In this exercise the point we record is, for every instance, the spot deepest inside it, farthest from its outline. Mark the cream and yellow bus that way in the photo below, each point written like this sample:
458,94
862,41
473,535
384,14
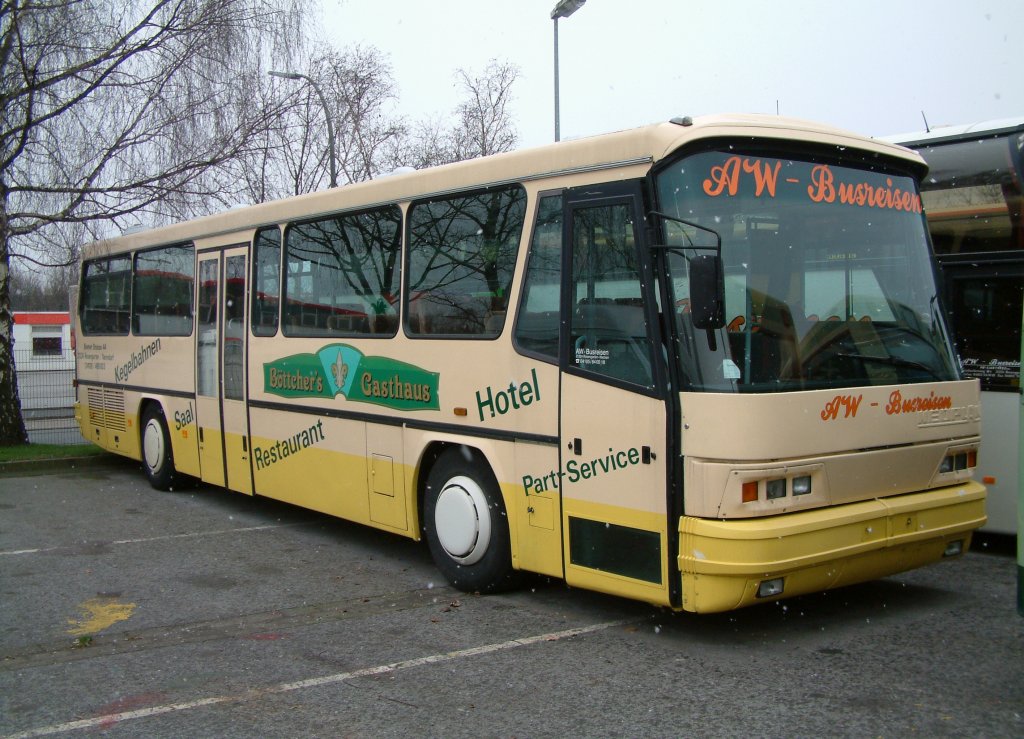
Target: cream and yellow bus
701,364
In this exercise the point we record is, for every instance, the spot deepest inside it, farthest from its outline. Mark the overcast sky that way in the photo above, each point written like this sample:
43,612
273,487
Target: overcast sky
868,65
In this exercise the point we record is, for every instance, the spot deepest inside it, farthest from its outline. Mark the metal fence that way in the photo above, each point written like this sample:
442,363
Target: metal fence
47,396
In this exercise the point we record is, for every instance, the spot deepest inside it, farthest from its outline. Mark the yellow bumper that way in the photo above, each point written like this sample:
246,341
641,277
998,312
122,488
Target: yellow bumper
723,562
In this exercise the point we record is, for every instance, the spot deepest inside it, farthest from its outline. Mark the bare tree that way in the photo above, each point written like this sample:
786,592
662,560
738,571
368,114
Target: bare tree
485,120
40,290
291,157
121,112
429,142
365,89
484,123
360,93
28,290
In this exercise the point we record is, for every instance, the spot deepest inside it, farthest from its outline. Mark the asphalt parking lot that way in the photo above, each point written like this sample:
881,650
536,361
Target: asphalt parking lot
199,612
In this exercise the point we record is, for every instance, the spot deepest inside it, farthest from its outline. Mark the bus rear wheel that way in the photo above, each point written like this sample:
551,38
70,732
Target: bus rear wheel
466,525
157,458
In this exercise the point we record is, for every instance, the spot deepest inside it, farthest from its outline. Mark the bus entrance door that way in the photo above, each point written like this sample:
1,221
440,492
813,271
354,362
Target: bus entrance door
613,417
220,368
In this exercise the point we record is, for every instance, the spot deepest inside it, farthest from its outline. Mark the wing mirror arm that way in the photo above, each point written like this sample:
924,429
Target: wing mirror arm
707,276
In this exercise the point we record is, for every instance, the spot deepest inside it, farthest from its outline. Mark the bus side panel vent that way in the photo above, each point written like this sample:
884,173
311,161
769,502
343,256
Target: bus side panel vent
106,408
95,400
113,404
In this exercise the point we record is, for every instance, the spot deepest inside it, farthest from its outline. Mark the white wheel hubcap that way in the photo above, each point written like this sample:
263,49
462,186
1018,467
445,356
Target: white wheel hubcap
462,520
153,445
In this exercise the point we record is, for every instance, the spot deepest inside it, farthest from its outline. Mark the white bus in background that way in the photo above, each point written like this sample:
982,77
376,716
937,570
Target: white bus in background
973,199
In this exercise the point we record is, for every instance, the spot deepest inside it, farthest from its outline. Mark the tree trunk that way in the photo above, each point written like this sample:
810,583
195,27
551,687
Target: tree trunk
12,425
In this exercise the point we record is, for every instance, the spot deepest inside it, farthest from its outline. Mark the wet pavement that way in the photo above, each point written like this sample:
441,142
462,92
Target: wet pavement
129,612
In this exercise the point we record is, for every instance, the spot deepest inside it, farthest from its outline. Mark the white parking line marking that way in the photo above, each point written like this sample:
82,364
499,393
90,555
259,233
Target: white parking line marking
166,537
111,719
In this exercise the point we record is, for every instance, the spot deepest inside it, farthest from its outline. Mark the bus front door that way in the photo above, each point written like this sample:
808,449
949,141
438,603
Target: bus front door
613,427
220,370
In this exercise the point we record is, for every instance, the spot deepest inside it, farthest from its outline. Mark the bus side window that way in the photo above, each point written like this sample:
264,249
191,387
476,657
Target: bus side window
162,289
343,274
536,329
266,281
608,330
462,255
106,296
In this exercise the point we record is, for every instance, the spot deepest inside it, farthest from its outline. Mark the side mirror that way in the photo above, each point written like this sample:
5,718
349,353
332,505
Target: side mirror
707,291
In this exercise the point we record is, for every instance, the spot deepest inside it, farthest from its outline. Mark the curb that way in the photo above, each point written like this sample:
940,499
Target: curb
59,464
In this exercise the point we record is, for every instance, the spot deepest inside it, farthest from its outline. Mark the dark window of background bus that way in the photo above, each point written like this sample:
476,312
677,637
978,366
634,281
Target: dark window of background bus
462,256
266,292
986,305
107,296
974,204
163,283
972,196
536,332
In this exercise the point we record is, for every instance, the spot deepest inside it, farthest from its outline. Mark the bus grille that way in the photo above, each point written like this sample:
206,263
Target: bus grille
106,408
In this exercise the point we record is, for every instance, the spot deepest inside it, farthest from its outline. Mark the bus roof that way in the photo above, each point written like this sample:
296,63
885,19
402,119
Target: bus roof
633,147
947,134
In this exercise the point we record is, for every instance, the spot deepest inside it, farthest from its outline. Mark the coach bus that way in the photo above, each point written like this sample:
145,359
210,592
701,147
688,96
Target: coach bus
701,364
972,197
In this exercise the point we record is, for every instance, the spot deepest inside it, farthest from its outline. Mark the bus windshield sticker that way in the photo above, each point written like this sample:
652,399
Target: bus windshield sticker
821,184
340,369
1006,371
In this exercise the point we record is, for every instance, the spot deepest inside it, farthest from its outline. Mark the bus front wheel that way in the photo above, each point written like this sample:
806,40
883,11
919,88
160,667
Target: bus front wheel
466,525
157,458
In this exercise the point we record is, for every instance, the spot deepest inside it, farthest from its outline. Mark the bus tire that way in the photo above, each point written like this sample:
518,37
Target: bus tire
157,457
466,525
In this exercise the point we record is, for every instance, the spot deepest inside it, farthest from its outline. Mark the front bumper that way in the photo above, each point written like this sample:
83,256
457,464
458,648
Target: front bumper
723,561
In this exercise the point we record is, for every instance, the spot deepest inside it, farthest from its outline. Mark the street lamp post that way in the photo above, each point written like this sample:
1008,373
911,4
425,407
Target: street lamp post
563,9
327,115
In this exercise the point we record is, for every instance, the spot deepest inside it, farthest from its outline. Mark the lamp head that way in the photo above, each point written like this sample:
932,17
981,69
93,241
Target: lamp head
565,8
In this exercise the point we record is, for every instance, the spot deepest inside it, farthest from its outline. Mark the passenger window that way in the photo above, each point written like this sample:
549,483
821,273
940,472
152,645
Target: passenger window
162,292
267,280
342,275
608,327
462,255
234,322
537,322
206,352
106,296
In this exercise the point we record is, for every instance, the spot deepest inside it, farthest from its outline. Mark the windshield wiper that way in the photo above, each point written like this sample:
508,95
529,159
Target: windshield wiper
894,361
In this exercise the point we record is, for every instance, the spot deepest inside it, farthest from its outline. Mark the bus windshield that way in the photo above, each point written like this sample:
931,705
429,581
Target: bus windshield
827,276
